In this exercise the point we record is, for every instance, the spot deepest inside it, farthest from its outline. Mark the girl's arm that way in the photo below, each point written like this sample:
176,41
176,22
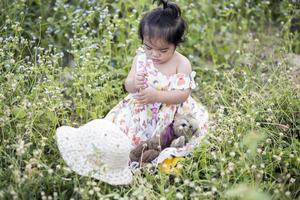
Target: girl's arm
151,95
176,96
173,97
130,80
135,80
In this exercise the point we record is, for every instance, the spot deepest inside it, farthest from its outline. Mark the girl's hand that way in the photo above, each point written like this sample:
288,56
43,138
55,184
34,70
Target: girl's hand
140,80
147,96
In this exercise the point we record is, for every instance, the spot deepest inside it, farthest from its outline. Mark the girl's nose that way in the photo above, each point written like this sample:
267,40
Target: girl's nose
155,53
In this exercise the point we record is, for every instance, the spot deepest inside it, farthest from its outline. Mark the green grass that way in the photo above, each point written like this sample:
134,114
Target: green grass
245,57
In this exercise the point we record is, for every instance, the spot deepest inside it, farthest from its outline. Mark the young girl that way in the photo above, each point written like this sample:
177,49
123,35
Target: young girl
159,85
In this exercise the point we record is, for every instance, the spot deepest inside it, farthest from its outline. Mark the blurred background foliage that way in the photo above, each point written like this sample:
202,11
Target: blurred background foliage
65,61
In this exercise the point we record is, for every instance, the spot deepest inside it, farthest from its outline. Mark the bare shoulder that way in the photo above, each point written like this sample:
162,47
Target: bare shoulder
184,65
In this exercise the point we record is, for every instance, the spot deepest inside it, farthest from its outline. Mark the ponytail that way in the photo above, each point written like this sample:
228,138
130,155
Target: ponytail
169,8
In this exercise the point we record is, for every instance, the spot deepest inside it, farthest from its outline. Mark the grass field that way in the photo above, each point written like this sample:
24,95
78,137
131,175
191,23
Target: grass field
64,63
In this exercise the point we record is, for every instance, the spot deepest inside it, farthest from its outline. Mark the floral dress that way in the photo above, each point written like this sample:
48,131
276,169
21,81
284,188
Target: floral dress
140,123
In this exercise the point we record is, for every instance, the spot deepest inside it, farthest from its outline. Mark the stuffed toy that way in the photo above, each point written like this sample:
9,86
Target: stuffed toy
177,134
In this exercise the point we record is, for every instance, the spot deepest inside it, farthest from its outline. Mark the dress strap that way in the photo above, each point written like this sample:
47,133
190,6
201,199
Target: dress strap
181,81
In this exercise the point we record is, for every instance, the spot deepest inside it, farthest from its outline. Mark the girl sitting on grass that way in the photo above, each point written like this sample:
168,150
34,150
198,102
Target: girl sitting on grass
159,85
162,86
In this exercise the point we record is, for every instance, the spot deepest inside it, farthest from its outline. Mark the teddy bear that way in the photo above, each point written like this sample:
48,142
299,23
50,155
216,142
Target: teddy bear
177,134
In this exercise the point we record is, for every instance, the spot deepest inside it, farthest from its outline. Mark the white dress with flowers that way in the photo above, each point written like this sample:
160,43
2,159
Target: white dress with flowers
141,123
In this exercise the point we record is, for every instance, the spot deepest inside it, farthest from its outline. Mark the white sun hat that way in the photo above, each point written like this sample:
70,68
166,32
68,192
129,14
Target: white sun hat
98,149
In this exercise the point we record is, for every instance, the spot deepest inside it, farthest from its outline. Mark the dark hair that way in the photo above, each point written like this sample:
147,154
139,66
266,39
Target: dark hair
165,23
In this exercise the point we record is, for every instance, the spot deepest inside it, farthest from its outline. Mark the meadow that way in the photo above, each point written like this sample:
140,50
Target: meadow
64,62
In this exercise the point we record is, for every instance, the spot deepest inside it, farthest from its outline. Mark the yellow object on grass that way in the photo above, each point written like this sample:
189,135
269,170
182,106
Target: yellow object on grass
171,165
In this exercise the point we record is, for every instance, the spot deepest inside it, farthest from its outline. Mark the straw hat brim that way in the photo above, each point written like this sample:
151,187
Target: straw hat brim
77,150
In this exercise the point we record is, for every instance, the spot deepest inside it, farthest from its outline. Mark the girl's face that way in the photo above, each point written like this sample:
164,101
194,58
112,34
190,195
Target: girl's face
158,50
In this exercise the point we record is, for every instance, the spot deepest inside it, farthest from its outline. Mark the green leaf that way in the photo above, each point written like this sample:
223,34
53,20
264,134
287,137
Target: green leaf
51,116
252,139
19,113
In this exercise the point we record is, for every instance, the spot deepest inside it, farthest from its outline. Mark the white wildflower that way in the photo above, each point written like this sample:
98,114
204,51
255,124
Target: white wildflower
292,180
179,195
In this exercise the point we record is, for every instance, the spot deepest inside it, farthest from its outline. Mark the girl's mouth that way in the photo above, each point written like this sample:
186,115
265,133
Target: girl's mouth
155,60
